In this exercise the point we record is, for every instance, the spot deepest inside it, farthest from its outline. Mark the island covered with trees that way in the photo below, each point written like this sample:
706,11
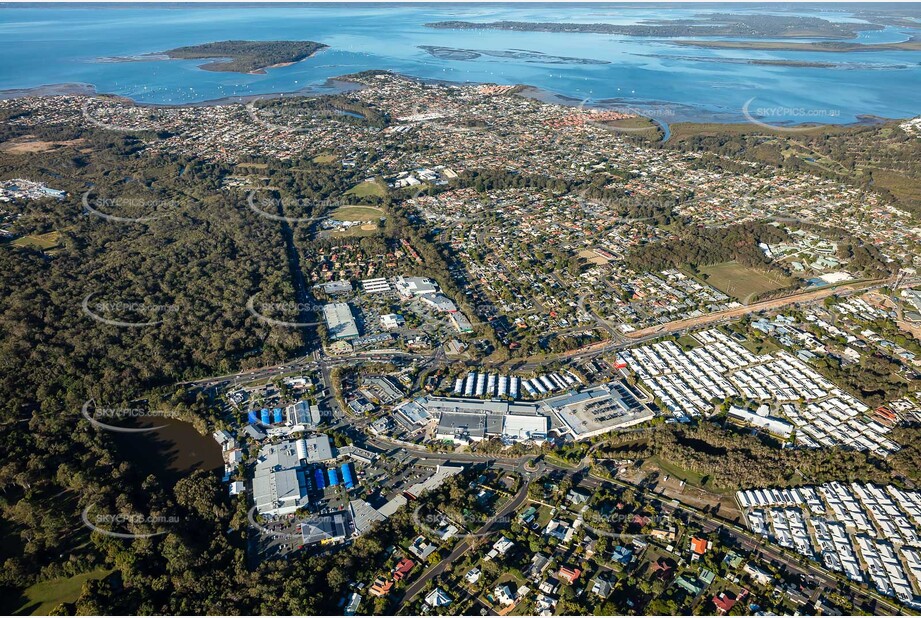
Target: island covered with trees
247,56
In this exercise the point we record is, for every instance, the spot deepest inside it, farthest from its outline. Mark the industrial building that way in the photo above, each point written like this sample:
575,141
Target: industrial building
301,416
598,409
408,287
466,420
340,323
281,479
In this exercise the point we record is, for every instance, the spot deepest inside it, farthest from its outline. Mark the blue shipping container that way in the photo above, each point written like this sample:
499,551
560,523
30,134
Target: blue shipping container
320,478
347,477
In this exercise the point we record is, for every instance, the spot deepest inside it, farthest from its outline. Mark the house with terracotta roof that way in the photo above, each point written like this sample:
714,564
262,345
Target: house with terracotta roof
381,587
403,568
662,568
698,546
724,603
570,575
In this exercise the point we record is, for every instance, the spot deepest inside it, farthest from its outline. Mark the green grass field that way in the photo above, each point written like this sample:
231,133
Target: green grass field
760,347
543,515
325,158
355,232
688,476
49,240
368,189
43,597
741,281
638,126
357,213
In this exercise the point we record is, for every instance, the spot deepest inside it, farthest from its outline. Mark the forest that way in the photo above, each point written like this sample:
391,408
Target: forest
730,459
194,268
696,246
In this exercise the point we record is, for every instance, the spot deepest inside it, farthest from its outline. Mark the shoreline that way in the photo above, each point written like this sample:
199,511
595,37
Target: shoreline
333,85
684,113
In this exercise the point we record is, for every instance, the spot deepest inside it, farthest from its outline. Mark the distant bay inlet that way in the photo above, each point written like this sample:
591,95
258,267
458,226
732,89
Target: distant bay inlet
698,83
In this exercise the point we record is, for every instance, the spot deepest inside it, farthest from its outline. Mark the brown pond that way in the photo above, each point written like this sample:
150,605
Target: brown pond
170,451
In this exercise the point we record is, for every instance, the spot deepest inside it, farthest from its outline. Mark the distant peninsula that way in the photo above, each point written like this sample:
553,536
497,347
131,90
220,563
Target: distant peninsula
454,53
911,44
247,56
711,24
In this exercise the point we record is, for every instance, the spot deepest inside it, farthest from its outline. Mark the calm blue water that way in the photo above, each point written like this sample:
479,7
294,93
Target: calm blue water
63,44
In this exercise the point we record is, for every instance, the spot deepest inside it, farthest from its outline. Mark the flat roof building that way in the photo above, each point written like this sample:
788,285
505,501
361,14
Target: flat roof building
315,449
598,410
392,320
465,420
364,515
336,287
461,323
277,487
439,302
340,323
375,286
415,286
330,528
520,427
280,478
774,425
302,415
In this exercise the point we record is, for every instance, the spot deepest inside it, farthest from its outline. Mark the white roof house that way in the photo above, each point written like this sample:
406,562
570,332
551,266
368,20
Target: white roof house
504,595
438,598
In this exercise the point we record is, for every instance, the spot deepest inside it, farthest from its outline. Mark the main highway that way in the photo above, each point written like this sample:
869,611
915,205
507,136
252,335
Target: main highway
435,359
